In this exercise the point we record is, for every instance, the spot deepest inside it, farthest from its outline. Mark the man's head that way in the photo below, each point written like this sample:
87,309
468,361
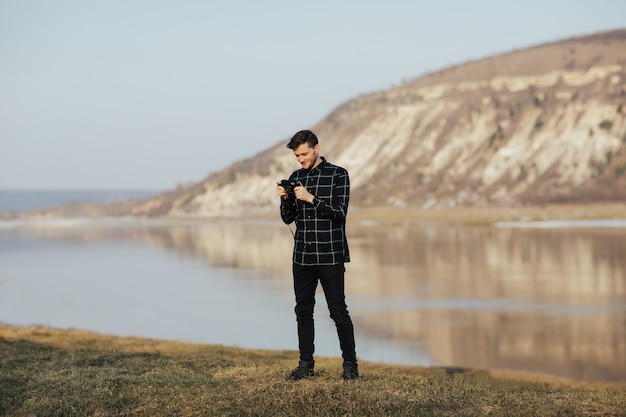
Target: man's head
303,136
306,148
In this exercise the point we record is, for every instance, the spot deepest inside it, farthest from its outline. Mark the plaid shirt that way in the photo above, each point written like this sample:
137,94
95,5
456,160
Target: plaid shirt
320,237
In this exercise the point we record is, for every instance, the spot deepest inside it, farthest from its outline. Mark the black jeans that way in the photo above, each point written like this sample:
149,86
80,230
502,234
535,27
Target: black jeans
331,277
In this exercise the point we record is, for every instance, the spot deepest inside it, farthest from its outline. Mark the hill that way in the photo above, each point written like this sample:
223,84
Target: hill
541,125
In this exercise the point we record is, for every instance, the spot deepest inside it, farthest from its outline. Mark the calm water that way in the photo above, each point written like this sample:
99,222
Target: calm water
544,300
27,200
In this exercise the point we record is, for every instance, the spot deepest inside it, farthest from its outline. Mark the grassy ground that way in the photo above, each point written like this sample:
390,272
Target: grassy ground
488,215
470,215
46,372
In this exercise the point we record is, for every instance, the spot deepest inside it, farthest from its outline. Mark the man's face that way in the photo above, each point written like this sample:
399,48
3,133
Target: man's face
307,156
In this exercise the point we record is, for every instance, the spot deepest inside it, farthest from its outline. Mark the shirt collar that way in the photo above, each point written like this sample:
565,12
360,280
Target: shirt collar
320,165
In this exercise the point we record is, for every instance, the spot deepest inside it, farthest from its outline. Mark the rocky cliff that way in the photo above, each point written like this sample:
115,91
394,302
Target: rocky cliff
540,125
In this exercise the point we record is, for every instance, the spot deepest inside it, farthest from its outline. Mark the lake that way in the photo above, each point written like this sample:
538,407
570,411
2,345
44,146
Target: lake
548,300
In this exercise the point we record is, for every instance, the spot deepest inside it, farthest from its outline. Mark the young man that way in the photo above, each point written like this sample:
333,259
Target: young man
317,200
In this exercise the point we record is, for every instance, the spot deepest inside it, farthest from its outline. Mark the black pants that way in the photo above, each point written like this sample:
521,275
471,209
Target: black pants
331,277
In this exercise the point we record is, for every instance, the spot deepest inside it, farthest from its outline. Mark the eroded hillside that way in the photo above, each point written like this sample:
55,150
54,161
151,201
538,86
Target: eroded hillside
540,125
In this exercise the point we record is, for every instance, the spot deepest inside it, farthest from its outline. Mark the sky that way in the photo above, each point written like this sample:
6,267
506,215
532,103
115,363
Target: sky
152,94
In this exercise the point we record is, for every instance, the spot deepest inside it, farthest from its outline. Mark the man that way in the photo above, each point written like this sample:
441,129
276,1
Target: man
317,200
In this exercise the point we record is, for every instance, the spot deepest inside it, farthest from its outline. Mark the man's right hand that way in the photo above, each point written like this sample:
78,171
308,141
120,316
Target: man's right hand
280,191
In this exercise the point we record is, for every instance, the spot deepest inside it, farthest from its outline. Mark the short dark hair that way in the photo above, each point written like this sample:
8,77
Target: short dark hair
303,136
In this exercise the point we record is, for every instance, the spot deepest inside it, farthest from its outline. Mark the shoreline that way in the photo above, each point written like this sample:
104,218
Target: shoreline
388,215
79,338
489,215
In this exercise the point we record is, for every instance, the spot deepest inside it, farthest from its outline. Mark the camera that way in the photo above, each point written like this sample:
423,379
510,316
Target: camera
289,185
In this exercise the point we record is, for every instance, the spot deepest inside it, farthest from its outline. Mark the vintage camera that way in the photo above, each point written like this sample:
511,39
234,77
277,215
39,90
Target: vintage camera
289,185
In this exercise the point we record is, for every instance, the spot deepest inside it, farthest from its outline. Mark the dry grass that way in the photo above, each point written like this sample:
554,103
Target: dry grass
487,215
469,216
46,372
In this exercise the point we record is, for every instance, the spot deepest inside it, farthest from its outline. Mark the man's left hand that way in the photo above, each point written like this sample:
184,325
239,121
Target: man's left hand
303,194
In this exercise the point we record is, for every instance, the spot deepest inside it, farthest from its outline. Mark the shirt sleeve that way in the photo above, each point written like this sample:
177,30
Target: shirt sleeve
338,210
288,209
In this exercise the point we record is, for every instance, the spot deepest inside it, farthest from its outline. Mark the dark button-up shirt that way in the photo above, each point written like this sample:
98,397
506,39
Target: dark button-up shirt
320,237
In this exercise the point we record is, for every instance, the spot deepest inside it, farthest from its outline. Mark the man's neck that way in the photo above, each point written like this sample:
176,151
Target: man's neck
318,161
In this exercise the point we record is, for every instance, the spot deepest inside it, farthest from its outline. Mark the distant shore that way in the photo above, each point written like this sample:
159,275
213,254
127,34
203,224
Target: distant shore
383,215
484,215
458,215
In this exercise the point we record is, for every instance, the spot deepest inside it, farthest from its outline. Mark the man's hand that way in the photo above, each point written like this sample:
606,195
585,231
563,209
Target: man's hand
303,194
280,190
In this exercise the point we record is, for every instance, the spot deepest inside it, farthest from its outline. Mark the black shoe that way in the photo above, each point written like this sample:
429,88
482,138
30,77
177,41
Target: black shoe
304,370
350,370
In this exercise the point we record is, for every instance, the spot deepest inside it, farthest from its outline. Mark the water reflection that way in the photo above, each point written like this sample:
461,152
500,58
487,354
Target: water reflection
531,300
537,300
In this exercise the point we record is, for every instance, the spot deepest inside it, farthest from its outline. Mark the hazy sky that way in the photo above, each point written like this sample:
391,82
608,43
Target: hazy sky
148,94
